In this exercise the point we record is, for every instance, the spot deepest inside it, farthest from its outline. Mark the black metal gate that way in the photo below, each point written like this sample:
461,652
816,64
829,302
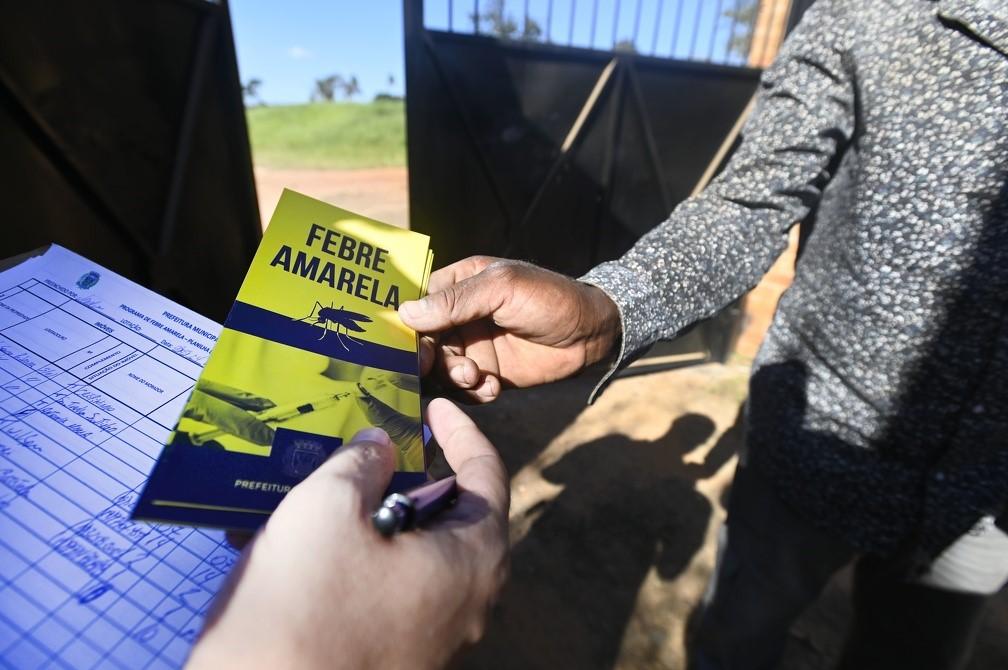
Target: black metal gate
562,155
122,137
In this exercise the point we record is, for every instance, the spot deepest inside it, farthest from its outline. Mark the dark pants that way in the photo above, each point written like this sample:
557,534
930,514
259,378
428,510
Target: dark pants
771,565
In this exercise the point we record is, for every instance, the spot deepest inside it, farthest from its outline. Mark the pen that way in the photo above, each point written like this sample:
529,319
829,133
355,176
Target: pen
403,511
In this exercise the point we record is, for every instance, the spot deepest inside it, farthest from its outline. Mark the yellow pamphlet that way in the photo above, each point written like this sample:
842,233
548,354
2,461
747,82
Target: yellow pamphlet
312,351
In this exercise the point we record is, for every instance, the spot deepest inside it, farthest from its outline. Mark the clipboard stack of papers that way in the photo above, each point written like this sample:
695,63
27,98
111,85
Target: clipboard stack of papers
94,371
312,351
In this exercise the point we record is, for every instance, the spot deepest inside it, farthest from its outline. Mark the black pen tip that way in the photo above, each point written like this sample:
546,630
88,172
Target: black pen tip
385,521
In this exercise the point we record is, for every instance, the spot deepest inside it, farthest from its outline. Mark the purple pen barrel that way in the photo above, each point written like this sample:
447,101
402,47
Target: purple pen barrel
429,499
402,511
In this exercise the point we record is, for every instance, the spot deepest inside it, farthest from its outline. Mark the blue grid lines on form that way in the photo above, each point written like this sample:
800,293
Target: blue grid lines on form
104,590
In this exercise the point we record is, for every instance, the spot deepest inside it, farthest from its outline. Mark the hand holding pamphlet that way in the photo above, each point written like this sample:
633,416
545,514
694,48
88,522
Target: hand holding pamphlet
312,351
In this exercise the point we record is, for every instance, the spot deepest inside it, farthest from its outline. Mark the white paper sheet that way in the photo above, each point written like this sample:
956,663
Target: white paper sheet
94,371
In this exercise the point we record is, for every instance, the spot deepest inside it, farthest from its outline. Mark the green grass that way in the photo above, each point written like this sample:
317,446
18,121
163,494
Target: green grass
329,135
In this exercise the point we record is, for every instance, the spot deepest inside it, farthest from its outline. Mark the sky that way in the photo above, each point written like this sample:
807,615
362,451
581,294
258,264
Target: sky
290,44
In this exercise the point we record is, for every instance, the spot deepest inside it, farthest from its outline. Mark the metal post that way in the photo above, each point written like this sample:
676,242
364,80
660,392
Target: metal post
615,24
636,25
696,28
657,23
734,27
676,28
591,40
413,52
570,32
549,21
714,31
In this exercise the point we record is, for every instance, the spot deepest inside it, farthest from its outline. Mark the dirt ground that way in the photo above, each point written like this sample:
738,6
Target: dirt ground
378,192
615,506
613,520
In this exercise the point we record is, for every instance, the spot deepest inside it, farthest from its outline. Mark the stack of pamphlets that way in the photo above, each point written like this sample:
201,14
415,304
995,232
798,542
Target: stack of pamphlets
312,351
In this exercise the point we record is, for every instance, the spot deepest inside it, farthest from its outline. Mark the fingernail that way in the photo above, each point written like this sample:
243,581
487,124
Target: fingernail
376,435
414,308
459,376
488,389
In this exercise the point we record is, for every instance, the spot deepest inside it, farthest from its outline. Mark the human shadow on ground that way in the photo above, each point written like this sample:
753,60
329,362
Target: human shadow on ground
627,506
522,423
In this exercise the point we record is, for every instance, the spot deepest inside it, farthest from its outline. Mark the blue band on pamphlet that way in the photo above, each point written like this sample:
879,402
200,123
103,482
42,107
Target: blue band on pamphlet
275,327
239,483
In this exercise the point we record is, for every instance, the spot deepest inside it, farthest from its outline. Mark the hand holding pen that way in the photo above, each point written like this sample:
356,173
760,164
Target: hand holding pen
320,548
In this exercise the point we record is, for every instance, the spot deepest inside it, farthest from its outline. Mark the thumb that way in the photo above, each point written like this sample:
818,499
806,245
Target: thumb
366,463
469,300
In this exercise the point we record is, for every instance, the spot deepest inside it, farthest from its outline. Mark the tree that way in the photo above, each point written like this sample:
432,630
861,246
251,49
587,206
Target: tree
495,20
743,17
531,32
325,88
388,95
625,45
494,16
250,91
351,87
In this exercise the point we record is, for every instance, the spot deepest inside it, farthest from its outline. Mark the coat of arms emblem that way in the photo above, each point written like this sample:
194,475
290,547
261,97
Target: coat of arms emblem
88,279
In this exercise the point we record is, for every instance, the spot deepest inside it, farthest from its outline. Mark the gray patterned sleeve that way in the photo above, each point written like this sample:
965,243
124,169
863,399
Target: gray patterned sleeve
717,245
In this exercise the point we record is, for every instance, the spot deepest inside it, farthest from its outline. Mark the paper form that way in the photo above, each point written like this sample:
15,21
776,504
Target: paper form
94,370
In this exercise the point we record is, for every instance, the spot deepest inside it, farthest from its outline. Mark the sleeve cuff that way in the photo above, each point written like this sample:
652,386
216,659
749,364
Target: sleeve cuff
630,293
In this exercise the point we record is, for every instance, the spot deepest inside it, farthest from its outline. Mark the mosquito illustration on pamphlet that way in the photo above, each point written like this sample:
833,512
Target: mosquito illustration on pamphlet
335,318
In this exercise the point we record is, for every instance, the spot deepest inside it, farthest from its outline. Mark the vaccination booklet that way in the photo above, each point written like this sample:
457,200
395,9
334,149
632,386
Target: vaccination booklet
312,351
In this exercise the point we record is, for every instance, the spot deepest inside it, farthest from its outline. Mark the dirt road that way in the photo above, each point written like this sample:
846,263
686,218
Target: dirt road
379,193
